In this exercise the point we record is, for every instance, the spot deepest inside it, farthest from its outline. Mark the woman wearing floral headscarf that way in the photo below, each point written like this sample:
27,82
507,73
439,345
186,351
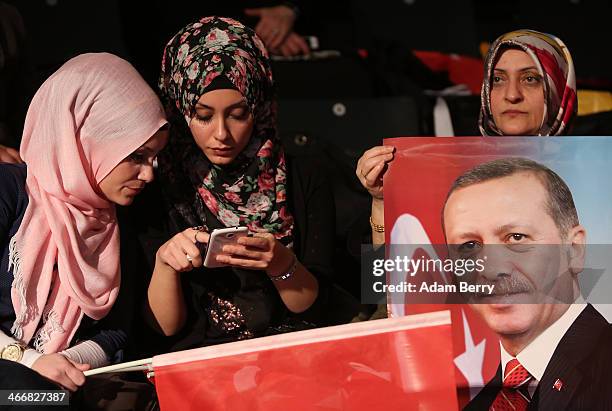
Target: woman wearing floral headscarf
529,86
529,89
225,167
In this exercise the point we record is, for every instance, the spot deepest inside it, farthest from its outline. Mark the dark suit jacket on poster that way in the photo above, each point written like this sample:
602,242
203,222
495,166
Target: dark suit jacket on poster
582,361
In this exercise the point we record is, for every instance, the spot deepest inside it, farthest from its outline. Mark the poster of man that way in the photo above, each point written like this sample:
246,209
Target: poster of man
541,199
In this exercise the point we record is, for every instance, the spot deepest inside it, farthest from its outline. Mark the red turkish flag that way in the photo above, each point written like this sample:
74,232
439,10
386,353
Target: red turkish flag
416,186
392,364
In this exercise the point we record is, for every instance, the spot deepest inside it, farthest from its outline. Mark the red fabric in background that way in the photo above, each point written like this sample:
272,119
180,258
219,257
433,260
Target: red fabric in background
461,69
400,370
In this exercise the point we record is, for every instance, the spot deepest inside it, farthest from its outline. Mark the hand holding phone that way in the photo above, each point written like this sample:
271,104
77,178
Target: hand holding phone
219,238
183,251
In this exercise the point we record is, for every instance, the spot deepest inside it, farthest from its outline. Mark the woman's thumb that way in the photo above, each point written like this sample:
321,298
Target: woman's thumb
82,367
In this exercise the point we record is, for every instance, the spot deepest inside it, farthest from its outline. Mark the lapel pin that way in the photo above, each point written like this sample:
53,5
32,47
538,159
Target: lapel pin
558,385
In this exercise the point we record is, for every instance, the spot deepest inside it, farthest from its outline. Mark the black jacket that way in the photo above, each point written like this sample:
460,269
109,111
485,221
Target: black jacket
582,361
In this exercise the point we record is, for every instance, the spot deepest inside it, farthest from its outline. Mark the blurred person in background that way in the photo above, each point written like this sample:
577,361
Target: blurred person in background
274,21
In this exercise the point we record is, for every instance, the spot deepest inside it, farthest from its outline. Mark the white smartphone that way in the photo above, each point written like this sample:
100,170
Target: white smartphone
218,238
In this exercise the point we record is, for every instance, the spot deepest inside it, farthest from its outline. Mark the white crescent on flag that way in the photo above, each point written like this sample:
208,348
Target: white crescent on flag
408,230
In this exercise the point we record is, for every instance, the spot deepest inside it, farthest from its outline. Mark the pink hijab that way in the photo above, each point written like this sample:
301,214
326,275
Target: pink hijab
83,121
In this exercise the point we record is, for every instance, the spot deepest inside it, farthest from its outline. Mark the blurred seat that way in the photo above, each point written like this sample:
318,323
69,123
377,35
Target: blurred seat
61,29
464,111
16,84
351,125
337,132
598,124
593,101
431,25
339,77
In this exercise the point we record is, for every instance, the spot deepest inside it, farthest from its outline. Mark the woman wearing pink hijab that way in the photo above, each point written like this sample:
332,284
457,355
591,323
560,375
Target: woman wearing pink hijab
91,135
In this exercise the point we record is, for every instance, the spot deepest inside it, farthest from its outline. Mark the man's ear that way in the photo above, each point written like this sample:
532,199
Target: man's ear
576,239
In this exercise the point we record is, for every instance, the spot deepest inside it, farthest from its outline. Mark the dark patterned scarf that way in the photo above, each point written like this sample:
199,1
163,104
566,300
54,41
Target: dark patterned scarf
251,191
554,63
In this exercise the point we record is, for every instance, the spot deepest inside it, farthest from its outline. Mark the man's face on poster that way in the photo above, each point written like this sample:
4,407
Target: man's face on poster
530,262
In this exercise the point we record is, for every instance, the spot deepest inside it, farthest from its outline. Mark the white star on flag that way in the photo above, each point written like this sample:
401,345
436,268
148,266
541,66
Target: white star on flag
470,362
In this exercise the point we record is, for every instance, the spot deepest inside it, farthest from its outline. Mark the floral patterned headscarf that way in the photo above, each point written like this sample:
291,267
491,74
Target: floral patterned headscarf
554,63
252,190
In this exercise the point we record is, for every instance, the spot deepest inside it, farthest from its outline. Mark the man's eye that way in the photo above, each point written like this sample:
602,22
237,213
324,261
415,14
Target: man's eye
516,237
519,243
468,247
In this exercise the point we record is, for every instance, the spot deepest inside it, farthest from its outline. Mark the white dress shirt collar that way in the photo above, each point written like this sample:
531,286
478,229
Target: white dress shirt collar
536,356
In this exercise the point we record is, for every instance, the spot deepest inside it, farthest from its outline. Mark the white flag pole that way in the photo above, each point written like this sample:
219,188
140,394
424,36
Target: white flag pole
139,365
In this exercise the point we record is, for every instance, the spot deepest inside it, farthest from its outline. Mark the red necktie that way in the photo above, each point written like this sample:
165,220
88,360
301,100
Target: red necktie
514,395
